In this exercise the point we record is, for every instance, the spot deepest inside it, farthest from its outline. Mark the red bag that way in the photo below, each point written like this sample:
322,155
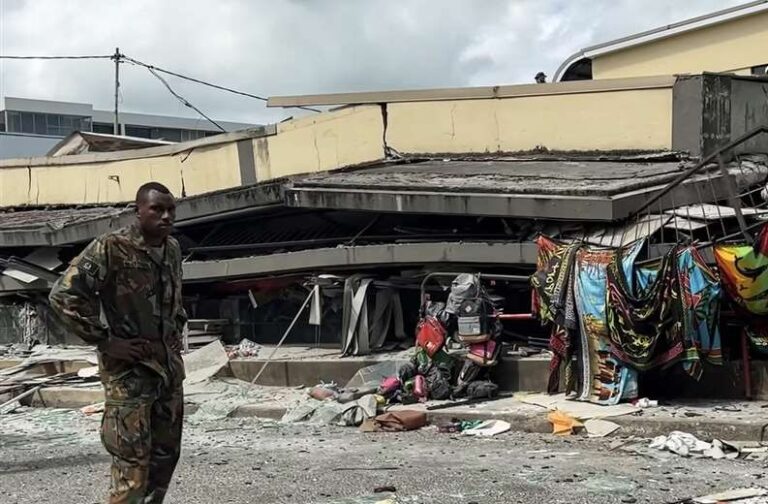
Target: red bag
430,335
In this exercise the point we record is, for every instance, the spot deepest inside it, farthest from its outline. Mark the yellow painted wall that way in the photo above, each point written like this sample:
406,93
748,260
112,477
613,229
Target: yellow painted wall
585,120
14,186
325,141
210,169
203,170
630,119
345,137
730,46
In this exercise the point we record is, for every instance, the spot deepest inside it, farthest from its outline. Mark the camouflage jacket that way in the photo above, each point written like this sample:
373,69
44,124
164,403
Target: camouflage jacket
119,287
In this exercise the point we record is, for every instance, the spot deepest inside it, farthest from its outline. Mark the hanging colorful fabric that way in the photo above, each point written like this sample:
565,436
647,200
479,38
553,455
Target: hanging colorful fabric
553,300
605,379
551,281
744,273
700,296
646,326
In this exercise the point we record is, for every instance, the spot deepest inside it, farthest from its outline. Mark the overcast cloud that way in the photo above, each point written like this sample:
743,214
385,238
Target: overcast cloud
283,47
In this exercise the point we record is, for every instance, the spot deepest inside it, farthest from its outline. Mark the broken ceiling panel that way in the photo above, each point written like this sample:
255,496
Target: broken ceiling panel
685,224
33,266
616,236
710,212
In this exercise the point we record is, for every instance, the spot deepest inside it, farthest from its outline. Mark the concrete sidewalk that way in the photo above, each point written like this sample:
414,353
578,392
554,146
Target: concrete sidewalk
728,420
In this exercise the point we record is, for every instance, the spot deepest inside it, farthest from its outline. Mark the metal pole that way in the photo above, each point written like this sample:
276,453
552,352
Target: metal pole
4,407
116,58
285,335
733,198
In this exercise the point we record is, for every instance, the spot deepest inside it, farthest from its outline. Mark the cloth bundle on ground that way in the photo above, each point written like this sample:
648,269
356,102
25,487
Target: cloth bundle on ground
619,318
396,421
482,428
685,444
326,404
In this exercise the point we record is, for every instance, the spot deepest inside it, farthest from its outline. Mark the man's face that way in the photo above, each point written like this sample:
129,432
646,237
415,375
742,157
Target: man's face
156,213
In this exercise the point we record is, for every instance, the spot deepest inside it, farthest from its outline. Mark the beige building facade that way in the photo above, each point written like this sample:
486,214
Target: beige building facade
729,41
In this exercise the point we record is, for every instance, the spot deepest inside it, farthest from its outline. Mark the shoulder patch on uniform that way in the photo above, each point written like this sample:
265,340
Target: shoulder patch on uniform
88,266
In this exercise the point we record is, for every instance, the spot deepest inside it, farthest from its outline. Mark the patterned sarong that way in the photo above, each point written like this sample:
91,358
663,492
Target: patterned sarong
645,325
744,275
553,300
552,289
695,305
605,379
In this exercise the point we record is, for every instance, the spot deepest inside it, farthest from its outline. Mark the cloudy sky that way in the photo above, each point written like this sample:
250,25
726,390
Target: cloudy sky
282,47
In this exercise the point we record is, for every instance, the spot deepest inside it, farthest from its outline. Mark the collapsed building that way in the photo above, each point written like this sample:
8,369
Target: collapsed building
376,205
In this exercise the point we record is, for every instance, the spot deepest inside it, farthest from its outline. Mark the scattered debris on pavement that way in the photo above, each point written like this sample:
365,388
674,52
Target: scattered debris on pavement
563,424
92,409
481,428
205,362
731,496
396,421
488,428
686,444
597,427
246,348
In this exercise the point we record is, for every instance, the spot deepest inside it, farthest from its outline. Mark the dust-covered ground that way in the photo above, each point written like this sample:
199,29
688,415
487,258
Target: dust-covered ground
54,456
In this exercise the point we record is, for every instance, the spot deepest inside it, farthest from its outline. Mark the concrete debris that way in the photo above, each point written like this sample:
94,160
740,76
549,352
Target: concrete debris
42,354
92,409
88,372
600,428
329,411
219,398
205,363
577,409
12,404
731,495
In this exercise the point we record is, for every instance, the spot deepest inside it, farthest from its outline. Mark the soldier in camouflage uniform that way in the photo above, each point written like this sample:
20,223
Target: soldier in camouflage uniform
123,294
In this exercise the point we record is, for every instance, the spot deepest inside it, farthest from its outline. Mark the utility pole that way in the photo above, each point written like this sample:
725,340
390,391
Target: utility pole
116,58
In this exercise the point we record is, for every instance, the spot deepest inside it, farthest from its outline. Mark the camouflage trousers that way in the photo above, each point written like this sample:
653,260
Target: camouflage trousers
141,429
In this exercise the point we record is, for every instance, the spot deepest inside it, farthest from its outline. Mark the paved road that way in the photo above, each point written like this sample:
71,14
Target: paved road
53,456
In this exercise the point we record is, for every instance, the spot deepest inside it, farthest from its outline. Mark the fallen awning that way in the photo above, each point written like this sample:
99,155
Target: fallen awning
502,253
565,190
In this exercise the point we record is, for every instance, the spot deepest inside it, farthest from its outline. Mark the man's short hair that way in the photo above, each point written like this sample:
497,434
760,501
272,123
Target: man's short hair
144,190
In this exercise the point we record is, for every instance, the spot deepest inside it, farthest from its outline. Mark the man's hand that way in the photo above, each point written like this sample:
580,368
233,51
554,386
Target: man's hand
176,344
130,350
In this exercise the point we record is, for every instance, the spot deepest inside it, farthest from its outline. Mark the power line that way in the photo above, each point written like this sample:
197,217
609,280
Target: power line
184,100
209,84
155,70
56,57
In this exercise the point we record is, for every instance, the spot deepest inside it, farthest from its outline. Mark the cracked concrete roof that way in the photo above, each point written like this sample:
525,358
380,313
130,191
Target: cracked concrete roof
55,218
559,190
575,178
